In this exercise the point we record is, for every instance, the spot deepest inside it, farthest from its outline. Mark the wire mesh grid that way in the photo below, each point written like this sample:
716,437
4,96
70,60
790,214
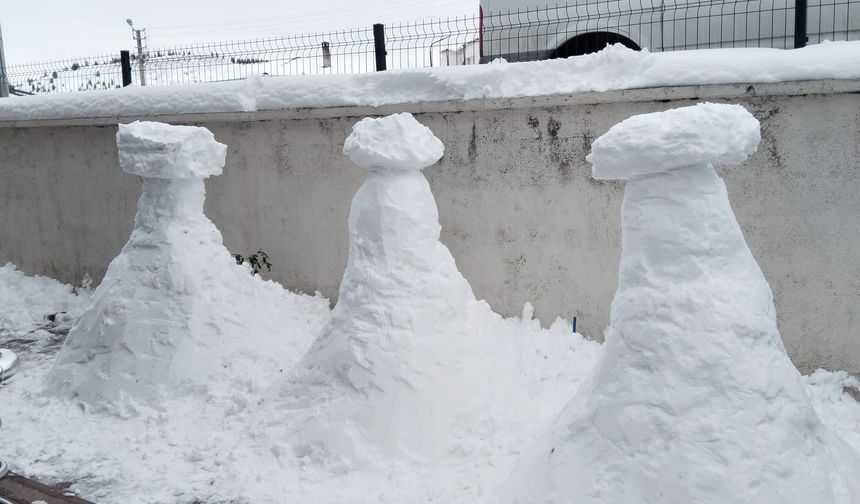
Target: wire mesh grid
832,20
433,42
526,34
344,51
73,74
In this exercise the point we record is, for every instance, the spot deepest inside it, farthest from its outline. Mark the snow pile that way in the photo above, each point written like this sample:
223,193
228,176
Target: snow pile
31,304
694,398
174,311
835,396
410,364
615,67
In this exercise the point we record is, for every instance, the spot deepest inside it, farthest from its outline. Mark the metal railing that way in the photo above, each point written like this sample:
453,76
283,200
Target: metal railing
528,34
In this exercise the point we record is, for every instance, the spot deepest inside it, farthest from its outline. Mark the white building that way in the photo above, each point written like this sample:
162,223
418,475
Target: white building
466,54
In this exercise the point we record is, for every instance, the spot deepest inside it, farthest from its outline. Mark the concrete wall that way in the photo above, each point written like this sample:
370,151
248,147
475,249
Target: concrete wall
518,208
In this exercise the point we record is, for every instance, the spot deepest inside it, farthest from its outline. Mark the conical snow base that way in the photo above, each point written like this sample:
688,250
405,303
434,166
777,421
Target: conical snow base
174,312
411,367
694,399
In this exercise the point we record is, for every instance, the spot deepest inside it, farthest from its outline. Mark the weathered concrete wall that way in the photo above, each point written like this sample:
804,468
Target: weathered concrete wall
519,210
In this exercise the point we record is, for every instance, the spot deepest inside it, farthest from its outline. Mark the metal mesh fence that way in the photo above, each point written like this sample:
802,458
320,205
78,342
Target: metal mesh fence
432,43
73,74
336,52
516,35
833,20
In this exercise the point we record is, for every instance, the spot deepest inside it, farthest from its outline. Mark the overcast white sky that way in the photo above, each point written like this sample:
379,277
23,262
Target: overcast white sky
54,29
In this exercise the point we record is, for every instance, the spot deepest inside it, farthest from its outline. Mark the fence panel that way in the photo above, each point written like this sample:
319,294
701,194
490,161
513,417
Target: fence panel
433,43
346,51
74,74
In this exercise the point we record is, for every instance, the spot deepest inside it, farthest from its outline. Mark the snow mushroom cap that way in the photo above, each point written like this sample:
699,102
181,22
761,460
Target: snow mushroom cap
396,142
706,133
158,150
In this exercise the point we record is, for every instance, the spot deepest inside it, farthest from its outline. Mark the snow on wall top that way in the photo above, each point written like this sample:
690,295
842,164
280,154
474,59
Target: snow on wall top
662,141
397,142
616,67
158,150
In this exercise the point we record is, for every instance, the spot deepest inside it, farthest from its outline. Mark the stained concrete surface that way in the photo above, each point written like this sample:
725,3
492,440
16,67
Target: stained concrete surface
518,208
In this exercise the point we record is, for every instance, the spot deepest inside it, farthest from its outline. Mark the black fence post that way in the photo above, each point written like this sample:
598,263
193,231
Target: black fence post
799,23
379,46
125,62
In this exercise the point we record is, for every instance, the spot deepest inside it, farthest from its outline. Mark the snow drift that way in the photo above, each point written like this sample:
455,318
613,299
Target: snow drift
174,310
27,301
694,398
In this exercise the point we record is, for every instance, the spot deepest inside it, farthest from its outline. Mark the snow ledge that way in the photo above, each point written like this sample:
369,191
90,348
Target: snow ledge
713,92
613,68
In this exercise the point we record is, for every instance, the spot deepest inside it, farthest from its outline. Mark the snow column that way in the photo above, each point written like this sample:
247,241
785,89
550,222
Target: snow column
389,372
172,311
694,398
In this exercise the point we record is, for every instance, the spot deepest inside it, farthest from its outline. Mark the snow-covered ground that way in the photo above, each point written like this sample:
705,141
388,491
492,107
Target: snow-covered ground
201,447
616,67
37,310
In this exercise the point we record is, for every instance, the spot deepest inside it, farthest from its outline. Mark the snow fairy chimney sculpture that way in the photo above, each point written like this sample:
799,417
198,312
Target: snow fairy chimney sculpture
388,374
171,311
694,399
